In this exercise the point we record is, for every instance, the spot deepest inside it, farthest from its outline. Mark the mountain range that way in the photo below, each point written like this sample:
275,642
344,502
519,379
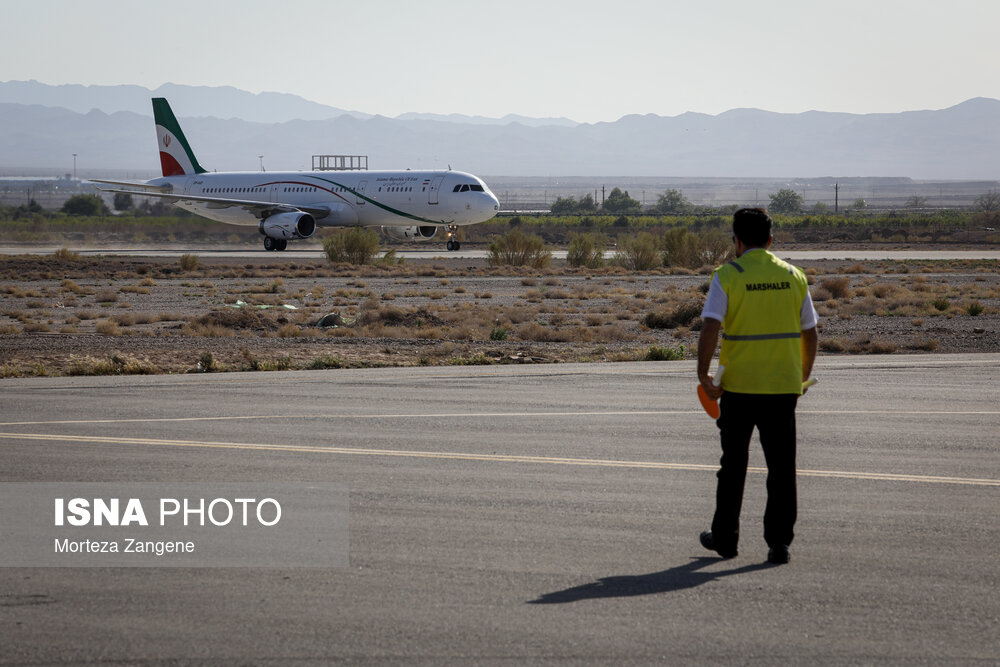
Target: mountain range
109,128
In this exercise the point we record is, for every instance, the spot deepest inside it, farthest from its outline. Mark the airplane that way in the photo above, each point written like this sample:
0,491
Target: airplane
285,206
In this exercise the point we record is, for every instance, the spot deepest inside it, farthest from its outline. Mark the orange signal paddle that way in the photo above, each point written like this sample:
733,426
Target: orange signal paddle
711,407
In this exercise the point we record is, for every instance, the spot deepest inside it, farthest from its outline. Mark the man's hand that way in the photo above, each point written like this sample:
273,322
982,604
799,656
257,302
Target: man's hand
714,393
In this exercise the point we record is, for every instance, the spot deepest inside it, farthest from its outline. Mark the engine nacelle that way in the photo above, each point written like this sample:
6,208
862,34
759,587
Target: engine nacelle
414,233
294,225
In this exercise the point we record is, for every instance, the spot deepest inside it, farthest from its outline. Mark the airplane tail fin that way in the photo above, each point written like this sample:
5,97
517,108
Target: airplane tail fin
176,156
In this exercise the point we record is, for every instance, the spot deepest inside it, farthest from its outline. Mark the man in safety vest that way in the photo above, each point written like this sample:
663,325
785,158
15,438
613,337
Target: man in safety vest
769,340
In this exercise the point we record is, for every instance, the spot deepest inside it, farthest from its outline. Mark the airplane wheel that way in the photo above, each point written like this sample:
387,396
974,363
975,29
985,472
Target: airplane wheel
281,245
269,243
457,245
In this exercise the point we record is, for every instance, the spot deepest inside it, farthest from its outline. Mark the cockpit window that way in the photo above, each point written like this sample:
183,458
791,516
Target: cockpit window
466,187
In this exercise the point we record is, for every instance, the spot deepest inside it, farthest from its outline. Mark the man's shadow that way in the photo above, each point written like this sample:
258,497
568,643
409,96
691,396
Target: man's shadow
675,579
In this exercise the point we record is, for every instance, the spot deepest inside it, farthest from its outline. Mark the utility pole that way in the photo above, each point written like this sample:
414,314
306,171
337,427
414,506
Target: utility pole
836,197
74,166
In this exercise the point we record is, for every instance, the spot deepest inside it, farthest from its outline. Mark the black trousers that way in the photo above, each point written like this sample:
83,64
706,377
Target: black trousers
774,417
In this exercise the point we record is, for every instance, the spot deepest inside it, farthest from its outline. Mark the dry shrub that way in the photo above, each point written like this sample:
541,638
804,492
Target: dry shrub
881,346
535,332
820,294
838,287
66,254
356,245
288,331
188,262
586,250
106,296
681,316
516,248
883,290
832,344
638,253
236,318
610,333
201,330
108,328
857,268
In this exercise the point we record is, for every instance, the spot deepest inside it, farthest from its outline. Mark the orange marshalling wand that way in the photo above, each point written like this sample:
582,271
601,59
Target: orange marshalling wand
711,407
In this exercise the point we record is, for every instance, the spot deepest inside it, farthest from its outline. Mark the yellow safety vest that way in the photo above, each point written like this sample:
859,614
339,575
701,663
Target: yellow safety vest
762,330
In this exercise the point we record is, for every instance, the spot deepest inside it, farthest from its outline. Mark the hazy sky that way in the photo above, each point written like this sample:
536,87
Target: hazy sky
587,60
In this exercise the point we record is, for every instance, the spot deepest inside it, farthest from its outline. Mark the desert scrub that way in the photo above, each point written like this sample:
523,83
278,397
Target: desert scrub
188,262
355,245
516,248
656,353
681,316
638,253
839,287
115,365
586,250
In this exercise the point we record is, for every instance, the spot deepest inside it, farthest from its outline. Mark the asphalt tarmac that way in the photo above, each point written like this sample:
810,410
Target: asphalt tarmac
530,514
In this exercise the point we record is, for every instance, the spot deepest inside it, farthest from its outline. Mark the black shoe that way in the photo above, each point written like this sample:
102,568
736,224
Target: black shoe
709,543
778,555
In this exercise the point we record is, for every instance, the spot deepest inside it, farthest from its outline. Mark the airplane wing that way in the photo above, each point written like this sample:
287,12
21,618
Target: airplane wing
261,209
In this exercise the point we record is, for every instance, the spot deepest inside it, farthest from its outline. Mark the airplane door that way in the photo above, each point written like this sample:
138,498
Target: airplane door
360,200
432,194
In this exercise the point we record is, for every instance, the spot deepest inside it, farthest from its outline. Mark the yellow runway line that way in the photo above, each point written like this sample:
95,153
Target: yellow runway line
493,458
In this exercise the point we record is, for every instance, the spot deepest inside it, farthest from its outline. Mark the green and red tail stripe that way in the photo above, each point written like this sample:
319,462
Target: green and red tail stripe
176,156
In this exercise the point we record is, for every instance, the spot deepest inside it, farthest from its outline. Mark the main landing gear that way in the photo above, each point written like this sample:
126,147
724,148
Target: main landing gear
453,243
276,244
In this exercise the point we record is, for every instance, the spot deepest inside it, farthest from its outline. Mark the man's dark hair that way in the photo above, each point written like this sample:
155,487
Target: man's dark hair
752,226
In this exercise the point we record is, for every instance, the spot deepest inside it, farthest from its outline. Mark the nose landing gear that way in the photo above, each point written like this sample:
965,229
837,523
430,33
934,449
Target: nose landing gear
453,243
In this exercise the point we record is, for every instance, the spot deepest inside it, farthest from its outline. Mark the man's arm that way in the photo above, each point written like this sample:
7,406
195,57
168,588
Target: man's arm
810,343
707,341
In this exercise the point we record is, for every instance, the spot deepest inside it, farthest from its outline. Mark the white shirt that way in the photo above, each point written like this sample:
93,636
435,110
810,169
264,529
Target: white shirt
717,304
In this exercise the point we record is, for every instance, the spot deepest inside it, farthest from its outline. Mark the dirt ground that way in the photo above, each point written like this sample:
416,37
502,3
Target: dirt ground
106,315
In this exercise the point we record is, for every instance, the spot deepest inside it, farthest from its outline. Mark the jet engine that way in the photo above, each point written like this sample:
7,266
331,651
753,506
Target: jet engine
416,232
294,225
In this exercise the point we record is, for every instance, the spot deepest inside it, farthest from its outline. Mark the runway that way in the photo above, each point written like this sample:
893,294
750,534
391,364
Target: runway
530,514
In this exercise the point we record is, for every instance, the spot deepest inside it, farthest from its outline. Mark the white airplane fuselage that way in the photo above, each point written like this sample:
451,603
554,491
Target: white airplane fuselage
354,198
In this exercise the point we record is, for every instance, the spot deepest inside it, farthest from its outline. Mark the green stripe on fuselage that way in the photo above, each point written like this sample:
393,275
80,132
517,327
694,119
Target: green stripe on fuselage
402,214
